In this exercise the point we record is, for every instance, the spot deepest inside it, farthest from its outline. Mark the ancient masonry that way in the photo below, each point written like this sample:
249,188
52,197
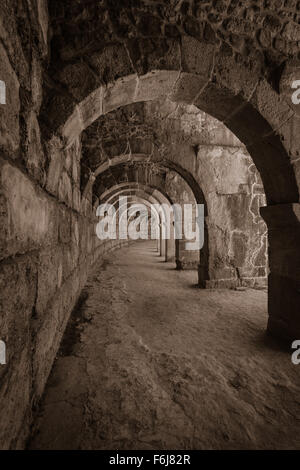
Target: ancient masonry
185,101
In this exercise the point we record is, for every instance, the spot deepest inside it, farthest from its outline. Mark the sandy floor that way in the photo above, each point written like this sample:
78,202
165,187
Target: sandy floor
151,362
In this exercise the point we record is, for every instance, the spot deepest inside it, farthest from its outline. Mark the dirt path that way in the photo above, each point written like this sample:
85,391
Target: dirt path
151,362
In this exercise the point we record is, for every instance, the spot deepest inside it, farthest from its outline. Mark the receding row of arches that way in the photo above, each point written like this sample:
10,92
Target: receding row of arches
163,103
251,126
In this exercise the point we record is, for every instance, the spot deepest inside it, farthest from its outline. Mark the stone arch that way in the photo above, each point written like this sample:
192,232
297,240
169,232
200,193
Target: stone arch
66,64
203,261
158,198
154,196
214,82
237,94
151,190
139,199
135,158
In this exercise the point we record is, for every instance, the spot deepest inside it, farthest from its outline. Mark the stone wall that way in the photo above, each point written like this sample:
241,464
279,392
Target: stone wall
47,237
237,232
233,191
49,247
47,232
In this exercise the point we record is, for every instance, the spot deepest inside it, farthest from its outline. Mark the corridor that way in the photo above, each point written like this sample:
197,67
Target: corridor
150,361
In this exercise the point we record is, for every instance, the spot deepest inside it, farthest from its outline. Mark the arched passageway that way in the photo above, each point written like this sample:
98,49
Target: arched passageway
176,101
177,187
240,114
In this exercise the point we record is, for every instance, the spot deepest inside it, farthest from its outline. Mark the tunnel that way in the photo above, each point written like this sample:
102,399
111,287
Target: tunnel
173,118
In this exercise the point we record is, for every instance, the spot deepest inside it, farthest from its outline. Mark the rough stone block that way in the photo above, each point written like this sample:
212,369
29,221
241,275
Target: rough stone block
70,258
56,163
34,155
15,395
235,76
43,18
76,199
64,224
197,57
111,63
91,107
150,54
270,105
155,84
31,213
79,79
217,102
9,112
49,277
36,83
18,284
120,93
65,190
187,87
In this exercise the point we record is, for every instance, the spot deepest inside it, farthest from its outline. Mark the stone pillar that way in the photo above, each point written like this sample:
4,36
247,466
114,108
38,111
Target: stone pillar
171,246
186,259
162,250
283,223
160,239
203,268
163,241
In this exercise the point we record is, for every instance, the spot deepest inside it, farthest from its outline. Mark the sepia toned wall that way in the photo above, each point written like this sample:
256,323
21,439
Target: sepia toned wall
223,57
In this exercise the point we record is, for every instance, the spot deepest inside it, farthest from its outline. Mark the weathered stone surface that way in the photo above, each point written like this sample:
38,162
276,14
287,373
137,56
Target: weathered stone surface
49,277
55,166
31,218
65,190
197,57
18,284
43,18
9,112
271,106
120,93
112,63
138,77
235,241
157,53
187,88
34,155
72,77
